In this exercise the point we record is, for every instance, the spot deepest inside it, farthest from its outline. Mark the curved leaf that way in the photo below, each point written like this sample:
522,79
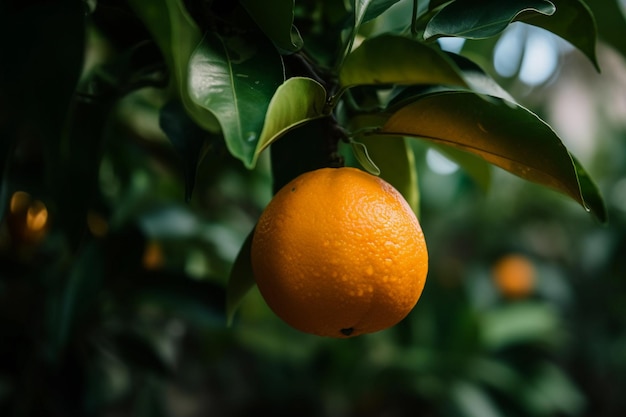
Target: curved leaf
589,189
392,155
363,157
504,134
390,59
235,78
396,161
177,36
363,10
476,19
612,17
296,101
275,18
241,279
520,323
572,21
366,10
479,80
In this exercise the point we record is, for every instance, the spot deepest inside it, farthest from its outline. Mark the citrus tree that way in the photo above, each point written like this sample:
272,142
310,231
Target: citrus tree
119,118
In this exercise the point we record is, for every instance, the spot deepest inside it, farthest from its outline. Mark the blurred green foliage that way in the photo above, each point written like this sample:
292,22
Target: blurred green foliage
117,240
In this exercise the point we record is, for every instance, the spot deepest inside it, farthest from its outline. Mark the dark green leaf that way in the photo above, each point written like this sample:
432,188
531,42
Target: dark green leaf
589,189
477,79
305,148
572,21
528,322
502,133
472,400
390,59
177,36
275,18
362,10
241,279
552,391
235,78
611,23
476,19
366,10
296,101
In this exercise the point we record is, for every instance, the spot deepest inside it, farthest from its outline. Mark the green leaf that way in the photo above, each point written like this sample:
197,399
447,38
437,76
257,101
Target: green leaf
503,133
392,155
177,36
396,161
366,10
477,79
551,391
527,322
572,21
305,148
275,18
472,400
363,10
241,279
390,59
476,19
612,23
235,78
296,101
589,189
362,156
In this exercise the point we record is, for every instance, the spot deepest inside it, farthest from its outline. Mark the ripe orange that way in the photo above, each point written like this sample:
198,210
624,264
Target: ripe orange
338,252
514,276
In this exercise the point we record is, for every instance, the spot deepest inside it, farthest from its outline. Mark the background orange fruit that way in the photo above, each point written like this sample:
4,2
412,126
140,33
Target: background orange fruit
338,252
514,276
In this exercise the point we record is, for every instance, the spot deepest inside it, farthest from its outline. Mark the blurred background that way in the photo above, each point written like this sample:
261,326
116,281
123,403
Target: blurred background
523,313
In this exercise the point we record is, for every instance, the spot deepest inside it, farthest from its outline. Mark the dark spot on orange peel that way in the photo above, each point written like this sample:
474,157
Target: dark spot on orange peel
347,332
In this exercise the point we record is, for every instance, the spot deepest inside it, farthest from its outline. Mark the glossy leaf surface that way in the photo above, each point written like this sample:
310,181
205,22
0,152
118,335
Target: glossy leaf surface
573,22
366,10
390,59
502,133
235,79
177,36
476,19
296,101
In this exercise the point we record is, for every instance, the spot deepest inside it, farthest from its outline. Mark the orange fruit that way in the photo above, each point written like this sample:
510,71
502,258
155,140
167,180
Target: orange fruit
338,252
514,276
